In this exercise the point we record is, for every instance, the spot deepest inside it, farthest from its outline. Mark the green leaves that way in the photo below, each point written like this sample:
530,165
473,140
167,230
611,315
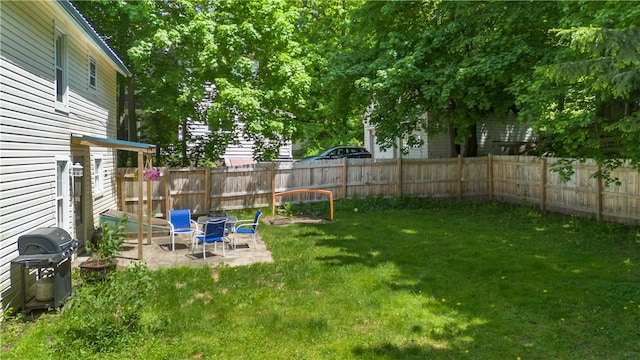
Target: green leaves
586,97
275,70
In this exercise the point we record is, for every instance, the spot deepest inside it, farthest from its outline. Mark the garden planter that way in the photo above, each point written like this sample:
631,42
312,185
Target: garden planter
94,270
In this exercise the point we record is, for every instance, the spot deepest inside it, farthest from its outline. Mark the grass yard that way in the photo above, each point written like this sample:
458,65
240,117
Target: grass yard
434,281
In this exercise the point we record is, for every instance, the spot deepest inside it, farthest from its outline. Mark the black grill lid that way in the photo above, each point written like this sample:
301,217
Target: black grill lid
49,240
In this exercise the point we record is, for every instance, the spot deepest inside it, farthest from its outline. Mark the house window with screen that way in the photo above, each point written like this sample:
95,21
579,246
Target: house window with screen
61,64
93,74
62,193
98,176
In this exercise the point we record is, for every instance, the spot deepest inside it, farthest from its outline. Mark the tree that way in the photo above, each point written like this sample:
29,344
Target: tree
235,66
321,26
120,22
586,100
456,60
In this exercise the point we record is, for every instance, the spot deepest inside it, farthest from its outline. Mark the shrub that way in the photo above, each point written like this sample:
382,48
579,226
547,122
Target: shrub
105,316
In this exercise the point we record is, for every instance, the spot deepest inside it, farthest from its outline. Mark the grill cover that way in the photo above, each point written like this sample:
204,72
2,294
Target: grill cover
49,240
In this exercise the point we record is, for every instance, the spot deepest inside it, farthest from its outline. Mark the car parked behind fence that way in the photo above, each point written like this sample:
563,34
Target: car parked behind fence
340,152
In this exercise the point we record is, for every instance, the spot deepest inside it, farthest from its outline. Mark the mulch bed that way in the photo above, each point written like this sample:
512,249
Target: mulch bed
289,220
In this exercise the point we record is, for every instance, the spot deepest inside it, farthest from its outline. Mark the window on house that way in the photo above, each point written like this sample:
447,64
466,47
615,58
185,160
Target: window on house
98,176
61,63
93,74
62,193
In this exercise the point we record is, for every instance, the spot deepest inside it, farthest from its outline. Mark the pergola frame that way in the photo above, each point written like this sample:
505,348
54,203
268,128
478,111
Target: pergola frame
142,150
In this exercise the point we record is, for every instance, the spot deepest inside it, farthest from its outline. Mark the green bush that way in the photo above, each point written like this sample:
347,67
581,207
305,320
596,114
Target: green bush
105,316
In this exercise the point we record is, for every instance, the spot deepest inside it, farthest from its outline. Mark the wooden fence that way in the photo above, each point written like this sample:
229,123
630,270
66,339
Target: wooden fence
511,179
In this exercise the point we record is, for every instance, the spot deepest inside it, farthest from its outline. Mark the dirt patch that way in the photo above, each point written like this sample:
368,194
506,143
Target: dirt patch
290,220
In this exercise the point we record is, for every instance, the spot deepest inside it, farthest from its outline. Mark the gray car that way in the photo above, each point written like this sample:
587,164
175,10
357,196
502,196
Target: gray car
340,152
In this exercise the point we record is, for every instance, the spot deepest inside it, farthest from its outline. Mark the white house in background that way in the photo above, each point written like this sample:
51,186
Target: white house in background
57,82
241,154
496,136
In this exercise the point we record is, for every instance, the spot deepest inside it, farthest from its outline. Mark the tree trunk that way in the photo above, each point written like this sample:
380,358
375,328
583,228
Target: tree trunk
184,130
133,125
122,123
453,148
470,148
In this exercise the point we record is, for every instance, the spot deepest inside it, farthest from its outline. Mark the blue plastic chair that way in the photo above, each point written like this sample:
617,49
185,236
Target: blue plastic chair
247,227
215,231
181,223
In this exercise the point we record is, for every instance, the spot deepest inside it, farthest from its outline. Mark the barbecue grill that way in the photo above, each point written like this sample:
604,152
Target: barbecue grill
48,251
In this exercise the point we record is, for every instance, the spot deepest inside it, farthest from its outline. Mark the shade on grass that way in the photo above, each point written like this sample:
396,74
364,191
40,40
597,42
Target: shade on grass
441,281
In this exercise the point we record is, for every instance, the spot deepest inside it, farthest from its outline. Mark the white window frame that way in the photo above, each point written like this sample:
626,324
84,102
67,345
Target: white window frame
62,191
98,175
92,75
61,69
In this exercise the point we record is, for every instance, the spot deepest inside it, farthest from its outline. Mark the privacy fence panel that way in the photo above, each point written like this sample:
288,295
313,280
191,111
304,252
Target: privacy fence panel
511,179
577,196
128,193
241,187
621,203
430,178
367,178
474,178
517,179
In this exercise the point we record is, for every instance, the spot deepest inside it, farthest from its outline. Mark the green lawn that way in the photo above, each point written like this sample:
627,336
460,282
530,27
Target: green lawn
437,281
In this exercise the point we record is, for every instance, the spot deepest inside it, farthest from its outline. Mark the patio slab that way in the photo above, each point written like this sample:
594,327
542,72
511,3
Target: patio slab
159,255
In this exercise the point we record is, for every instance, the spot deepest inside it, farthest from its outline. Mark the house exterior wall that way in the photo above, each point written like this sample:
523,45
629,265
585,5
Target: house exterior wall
34,135
436,146
493,134
241,153
501,130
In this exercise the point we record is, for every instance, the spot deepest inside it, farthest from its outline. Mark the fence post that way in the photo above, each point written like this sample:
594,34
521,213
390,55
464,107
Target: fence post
490,175
149,208
399,176
543,184
273,189
599,195
345,175
140,202
167,192
207,188
121,189
459,175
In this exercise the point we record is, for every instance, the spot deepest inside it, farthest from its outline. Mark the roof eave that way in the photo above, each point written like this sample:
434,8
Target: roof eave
91,32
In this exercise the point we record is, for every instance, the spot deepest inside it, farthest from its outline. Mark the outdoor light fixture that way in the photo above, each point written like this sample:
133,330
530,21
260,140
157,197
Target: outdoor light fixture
76,170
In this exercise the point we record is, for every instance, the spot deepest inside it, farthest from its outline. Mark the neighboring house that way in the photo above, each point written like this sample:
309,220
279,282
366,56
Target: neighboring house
241,154
496,136
57,114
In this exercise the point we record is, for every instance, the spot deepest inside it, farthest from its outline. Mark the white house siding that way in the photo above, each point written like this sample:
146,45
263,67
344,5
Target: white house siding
501,130
33,135
371,145
242,153
436,146
491,135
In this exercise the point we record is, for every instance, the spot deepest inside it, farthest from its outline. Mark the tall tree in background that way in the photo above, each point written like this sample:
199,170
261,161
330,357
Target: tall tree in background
321,28
455,60
120,24
306,69
234,65
585,102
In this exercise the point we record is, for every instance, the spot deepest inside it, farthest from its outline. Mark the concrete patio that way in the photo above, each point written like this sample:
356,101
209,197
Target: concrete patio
159,255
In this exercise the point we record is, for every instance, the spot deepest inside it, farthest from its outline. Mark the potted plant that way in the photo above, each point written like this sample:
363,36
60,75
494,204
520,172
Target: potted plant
106,249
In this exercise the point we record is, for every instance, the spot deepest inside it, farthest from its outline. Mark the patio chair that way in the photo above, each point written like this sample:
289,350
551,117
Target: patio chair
247,227
180,223
215,231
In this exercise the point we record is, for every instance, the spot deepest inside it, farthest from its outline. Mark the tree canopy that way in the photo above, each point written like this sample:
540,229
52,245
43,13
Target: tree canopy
279,70
455,60
585,100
